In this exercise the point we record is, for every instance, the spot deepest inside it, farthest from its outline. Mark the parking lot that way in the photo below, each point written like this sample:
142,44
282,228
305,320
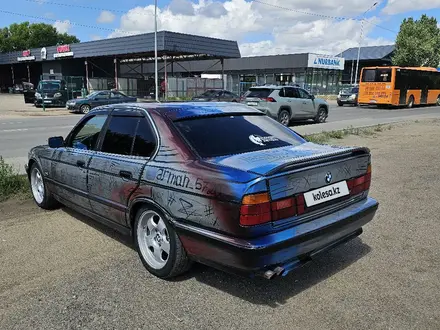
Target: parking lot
63,271
13,106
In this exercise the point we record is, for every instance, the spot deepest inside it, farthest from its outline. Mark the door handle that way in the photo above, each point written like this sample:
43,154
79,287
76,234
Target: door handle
80,163
125,174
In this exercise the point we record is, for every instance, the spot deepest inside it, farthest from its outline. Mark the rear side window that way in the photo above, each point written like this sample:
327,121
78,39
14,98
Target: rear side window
129,136
119,137
259,92
229,135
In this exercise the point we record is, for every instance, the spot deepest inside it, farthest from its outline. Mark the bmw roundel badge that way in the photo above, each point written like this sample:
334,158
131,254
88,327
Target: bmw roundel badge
328,177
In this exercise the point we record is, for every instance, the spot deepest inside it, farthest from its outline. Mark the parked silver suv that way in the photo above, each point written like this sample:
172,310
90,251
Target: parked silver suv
287,103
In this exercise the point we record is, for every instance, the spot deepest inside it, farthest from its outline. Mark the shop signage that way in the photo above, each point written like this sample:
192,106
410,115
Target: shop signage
26,56
43,53
63,51
326,62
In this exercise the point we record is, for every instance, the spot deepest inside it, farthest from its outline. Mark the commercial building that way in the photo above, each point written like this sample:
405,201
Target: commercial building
315,72
96,64
127,63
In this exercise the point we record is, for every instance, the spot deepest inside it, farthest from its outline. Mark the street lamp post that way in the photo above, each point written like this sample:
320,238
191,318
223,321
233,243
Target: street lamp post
360,41
156,78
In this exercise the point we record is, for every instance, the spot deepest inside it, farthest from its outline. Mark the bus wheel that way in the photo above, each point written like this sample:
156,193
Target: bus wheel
410,102
438,100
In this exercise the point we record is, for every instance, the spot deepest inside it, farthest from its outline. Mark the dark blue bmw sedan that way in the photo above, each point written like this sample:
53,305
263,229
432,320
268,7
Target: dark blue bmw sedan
217,183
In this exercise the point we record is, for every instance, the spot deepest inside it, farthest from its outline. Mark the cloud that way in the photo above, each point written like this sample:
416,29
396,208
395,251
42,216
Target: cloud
95,37
106,17
261,29
62,26
181,7
213,9
401,6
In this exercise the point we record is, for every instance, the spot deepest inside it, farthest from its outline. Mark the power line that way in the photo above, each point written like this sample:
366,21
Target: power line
70,22
340,18
76,6
302,12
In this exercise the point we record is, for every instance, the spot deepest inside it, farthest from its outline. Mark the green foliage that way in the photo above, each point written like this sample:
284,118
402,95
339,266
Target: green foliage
11,183
22,36
418,43
325,137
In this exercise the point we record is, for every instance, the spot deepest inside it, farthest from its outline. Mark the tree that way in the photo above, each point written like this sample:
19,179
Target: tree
24,36
418,43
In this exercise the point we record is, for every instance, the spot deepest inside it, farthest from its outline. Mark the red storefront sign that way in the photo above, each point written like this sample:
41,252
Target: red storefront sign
63,49
26,53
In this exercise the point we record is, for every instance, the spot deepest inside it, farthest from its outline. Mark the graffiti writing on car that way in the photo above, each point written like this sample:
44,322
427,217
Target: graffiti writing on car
182,180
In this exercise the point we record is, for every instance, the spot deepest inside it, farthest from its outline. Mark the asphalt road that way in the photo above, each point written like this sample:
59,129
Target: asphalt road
60,270
18,135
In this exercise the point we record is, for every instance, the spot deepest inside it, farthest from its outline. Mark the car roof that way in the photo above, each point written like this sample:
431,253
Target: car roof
185,110
274,86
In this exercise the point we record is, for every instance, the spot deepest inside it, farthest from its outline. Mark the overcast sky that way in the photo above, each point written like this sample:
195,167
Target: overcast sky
260,26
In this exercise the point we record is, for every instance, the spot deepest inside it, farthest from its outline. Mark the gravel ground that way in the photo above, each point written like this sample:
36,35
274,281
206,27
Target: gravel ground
62,271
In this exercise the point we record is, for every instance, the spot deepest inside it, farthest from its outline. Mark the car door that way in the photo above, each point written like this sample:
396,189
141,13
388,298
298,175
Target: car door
69,165
307,103
116,168
116,97
102,98
292,97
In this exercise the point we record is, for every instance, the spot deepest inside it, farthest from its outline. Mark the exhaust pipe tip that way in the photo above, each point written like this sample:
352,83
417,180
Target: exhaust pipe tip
268,274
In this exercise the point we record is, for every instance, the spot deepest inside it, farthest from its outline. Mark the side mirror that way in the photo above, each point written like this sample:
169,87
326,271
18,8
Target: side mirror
312,97
56,142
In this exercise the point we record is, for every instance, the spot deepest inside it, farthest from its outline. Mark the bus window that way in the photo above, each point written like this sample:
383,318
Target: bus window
376,75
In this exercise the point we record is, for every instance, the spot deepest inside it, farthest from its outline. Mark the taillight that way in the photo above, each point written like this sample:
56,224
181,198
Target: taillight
257,209
360,184
284,208
270,99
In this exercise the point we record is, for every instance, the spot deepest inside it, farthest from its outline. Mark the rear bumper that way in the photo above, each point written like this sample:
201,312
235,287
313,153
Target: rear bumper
281,251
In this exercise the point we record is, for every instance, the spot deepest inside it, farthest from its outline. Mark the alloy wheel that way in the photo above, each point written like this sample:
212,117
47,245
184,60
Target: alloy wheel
37,185
153,239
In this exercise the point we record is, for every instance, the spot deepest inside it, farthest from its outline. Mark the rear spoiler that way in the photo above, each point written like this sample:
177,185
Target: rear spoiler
316,159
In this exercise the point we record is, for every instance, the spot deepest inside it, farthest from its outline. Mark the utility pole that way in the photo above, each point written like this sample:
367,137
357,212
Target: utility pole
156,77
360,41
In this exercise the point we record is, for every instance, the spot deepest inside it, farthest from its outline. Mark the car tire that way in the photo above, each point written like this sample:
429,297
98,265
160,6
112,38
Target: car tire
85,109
284,117
321,116
42,196
340,104
410,102
158,245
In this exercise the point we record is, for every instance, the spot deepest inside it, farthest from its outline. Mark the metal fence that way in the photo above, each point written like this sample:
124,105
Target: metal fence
189,87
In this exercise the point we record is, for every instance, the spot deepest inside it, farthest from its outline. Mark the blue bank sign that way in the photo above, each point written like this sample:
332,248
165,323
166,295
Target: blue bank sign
326,62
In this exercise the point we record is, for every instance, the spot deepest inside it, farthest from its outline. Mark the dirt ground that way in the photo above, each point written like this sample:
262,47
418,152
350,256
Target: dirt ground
62,271
13,106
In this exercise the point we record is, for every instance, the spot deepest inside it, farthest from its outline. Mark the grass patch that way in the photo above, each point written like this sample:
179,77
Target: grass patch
12,183
324,137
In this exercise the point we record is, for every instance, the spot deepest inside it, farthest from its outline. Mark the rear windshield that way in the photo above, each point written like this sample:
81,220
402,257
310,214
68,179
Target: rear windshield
230,135
376,75
259,92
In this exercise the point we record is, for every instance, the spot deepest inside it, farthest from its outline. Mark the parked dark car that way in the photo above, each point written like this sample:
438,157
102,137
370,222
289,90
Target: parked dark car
98,98
48,92
348,96
216,183
215,95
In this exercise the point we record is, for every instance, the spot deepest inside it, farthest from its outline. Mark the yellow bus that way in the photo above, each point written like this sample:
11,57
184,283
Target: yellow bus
399,86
